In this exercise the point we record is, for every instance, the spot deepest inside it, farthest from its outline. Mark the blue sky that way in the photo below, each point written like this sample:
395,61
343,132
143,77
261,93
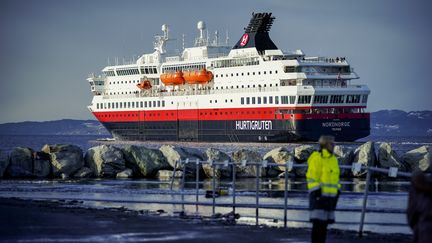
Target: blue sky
49,47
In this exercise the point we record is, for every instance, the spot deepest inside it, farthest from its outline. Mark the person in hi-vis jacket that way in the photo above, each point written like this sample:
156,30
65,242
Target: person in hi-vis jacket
323,186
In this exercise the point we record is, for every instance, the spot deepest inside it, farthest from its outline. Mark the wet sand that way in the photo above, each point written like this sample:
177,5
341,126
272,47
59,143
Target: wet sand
65,221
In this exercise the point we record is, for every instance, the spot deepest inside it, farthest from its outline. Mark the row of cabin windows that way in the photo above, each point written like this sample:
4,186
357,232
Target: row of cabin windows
303,99
243,74
154,82
133,71
184,67
137,104
148,70
226,101
245,86
234,113
316,69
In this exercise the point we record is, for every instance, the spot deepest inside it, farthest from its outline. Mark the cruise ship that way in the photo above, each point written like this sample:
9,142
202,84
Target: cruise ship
250,92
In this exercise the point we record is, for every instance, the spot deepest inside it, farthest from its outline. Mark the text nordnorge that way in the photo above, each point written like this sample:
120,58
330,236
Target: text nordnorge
336,124
254,125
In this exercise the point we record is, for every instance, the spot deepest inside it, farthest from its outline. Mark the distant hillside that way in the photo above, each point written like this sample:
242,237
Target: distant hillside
383,123
59,127
401,123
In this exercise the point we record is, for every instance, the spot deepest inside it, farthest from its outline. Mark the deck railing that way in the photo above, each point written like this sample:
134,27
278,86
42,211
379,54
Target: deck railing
289,165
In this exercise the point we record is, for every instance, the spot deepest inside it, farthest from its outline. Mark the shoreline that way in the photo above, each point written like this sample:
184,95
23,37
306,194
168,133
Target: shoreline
56,220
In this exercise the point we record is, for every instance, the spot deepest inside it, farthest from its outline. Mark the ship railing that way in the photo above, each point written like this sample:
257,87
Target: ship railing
183,92
339,60
193,170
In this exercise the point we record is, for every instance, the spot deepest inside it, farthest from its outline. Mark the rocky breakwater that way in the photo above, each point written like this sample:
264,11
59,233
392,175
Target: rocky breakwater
132,161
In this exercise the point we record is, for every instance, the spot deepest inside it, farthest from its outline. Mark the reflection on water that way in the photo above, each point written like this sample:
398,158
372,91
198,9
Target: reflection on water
388,195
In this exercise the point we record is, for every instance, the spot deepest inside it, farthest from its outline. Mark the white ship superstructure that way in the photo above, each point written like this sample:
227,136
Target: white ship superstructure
212,92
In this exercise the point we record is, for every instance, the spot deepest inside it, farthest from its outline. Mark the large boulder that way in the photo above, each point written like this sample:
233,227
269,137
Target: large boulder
218,156
387,157
127,173
168,174
345,156
4,163
279,156
65,159
41,165
84,172
250,157
419,159
175,153
301,155
21,163
366,156
143,161
105,160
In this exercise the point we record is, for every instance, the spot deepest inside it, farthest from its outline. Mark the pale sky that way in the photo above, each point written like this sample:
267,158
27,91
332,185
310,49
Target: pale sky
47,48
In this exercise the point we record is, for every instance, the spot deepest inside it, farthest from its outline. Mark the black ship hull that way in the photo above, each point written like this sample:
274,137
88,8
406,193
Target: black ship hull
284,130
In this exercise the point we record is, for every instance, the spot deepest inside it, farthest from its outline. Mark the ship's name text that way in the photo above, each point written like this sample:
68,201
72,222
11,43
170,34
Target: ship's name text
336,124
254,125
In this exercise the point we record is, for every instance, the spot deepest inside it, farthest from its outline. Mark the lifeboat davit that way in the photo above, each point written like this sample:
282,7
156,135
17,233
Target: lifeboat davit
172,78
145,84
198,77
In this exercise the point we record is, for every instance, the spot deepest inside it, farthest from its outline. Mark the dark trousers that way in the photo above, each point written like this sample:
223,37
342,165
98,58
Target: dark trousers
319,231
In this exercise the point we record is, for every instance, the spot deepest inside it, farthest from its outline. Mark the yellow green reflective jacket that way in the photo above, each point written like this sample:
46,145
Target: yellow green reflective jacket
323,173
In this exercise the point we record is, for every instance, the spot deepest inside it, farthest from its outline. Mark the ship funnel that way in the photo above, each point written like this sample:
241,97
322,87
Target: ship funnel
257,33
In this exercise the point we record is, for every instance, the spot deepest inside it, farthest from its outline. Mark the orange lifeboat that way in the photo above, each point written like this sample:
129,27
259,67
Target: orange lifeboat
145,84
198,77
172,78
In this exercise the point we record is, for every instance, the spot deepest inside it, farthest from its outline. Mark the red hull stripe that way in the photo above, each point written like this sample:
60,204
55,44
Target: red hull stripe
219,114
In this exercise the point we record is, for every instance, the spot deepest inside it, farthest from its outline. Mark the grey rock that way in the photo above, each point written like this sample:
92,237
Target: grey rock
127,173
419,159
279,156
250,157
64,176
41,165
65,158
387,157
84,172
143,161
365,155
167,174
301,155
21,163
105,160
345,156
220,171
4,163
175,153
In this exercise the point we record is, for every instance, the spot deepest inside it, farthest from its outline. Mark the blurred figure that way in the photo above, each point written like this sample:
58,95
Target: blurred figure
323,185
419,210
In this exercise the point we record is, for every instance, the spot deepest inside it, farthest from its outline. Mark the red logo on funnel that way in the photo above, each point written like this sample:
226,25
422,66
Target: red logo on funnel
244,40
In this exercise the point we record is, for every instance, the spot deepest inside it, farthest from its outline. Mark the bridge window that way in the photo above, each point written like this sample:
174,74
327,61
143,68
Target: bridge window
241,101
270,99
337,99
364,99
352,99
247,100
304,99
253,100
284,99
265,100
276,100
321,99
